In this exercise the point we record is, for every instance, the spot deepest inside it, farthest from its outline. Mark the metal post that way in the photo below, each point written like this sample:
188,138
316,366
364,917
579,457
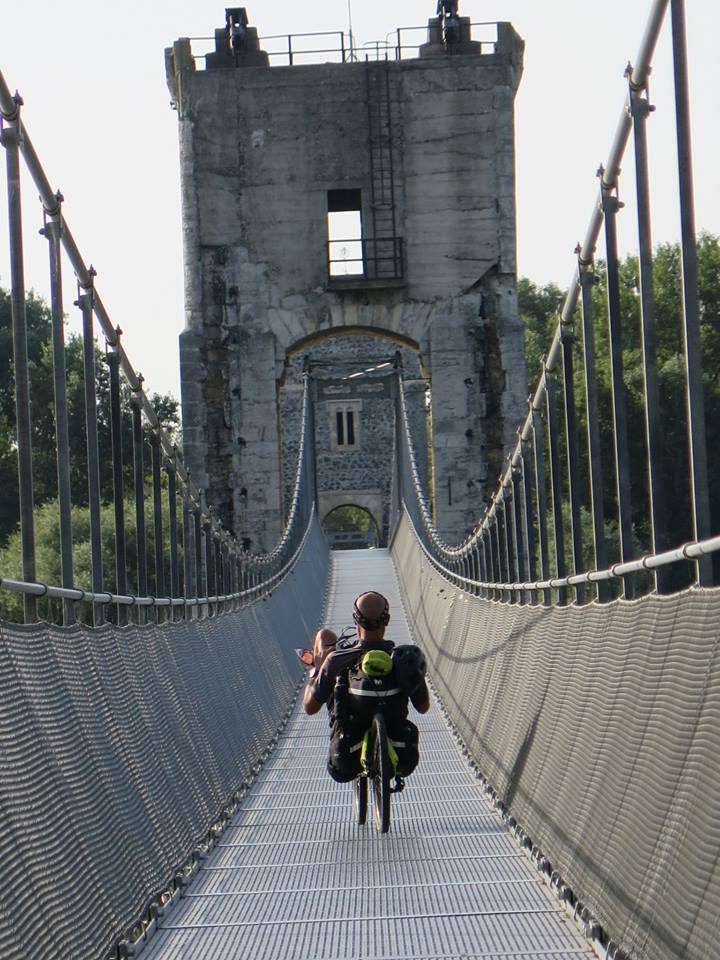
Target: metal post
172,522
157,518
227,571
611,206
52,232
461,571
502,558
573,456
556,483
197,538
490,555
139,482
484,574
640,110
587,281
188,552
219,580
691,326
113,361
541,496
233,572
85,302
528,515
242,575
475,575
10,139
507,515
520,542
210,563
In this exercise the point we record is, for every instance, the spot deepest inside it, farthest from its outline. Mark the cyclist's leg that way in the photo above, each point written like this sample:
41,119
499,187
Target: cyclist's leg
344,753
405,736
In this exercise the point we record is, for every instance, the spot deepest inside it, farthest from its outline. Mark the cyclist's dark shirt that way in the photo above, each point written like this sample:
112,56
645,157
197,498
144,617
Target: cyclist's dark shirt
362,696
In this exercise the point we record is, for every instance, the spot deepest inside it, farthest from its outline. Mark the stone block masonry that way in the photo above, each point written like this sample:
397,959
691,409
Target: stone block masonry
427,147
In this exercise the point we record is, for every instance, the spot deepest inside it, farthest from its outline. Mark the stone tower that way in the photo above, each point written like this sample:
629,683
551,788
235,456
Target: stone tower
335,215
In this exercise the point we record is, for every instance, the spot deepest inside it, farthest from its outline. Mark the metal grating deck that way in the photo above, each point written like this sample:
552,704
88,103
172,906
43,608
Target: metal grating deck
293,877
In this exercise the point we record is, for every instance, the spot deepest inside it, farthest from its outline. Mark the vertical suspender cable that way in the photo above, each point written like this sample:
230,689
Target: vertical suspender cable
85,303
640,110
691,325
52,231
11,135
113,361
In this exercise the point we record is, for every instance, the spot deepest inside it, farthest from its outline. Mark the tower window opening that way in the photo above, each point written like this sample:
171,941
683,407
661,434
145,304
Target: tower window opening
345,233
344,424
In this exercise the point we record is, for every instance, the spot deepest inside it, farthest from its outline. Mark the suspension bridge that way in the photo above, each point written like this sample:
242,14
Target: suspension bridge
161,792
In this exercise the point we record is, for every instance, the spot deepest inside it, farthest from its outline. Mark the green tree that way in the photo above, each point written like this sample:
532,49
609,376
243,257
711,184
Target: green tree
538,307
40,360
47,538
538,310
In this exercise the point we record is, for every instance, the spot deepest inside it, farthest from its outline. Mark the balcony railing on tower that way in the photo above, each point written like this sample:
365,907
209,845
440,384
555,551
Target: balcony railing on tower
365,261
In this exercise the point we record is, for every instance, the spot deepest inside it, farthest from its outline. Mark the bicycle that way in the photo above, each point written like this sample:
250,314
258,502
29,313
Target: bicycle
378,760
377,767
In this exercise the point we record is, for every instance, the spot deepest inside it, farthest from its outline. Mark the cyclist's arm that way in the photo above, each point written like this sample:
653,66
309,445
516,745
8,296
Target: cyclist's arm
310,704
318,691
420,698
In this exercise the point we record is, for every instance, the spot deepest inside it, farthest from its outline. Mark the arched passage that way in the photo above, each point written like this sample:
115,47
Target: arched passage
304,346
354,427
351,525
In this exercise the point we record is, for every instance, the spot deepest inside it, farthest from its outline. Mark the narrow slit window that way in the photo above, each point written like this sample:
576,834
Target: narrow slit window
344,221
344,425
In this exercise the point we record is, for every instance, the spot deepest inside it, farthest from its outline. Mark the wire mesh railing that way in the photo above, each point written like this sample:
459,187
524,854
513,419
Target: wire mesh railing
195,566
570,519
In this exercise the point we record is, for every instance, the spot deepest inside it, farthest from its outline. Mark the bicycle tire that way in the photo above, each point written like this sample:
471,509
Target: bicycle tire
360,797
381,774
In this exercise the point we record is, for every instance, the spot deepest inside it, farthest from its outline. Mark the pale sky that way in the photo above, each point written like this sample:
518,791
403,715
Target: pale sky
91,73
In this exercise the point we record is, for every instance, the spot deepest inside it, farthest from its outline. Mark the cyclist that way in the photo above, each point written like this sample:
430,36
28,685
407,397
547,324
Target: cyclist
323,645
361,676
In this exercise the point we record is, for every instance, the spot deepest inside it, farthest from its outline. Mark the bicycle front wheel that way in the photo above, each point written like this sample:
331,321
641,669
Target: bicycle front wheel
381,774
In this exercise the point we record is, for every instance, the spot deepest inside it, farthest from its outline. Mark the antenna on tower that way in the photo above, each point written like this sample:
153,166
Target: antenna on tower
352,42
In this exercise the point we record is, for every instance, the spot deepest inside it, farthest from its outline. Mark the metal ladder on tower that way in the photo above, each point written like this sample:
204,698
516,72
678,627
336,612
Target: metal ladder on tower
383,252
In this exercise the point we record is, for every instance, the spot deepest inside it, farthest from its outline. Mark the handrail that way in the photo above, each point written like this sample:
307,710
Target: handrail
52,204
608,184
689,551
79,595
217,553
505,537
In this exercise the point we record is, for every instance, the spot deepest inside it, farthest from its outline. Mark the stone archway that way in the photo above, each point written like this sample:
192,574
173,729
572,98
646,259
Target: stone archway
369,500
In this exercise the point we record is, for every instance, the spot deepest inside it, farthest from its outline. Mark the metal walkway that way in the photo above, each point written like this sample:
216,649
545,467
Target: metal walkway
293,877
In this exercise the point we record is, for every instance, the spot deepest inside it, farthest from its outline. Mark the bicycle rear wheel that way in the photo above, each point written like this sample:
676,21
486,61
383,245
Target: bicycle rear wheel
381,774
360,794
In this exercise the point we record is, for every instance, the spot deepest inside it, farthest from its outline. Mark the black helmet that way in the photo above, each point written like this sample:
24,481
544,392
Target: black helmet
378,604
409,667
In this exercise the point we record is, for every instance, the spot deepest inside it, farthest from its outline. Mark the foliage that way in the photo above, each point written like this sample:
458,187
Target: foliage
348,520
40,360
538,307
47,540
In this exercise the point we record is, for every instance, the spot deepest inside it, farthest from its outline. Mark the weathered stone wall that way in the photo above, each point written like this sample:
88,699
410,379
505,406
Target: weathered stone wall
367,469
260,149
